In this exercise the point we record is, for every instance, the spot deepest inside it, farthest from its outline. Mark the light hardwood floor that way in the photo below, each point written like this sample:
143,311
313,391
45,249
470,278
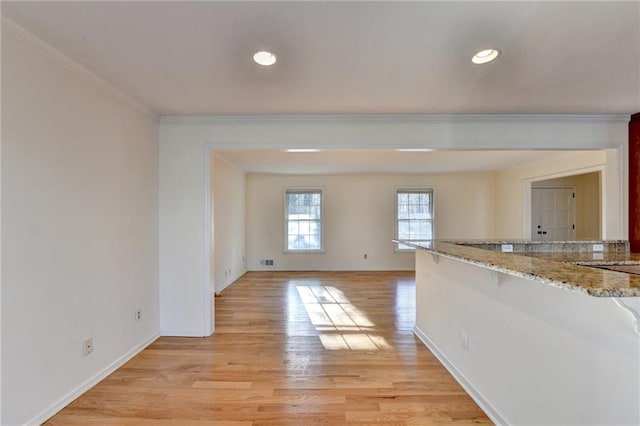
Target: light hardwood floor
297,348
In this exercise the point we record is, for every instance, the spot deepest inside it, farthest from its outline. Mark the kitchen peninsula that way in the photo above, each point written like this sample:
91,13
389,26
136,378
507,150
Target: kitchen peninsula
537,332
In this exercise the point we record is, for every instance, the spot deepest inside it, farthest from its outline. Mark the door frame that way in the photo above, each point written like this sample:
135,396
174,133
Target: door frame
527,184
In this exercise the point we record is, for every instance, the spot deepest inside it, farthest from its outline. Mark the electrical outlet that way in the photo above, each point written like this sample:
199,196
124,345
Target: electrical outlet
464,341
87,347
507,248
138,314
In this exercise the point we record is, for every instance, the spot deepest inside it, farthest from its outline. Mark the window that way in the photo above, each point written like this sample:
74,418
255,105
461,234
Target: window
414,215
303,217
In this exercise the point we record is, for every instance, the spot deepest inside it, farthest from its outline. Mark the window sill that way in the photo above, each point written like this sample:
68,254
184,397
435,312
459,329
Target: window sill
321,251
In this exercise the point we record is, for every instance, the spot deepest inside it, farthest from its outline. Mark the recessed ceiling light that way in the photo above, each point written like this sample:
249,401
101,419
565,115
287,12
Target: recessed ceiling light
264,58
302,150
484,56
415,150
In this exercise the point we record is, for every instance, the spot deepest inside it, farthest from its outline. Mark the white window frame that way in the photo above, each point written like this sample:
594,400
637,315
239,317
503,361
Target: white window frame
404,189
285,228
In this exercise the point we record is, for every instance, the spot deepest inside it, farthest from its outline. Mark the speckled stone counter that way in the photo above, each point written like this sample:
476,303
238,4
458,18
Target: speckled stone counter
558,268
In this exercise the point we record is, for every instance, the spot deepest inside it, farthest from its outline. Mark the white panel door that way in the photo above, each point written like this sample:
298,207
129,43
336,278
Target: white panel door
553,214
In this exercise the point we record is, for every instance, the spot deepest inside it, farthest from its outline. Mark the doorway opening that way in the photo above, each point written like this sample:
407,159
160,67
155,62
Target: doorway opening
567,208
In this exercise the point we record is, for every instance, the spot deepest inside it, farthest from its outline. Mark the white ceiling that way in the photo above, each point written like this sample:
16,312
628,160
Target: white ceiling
382,161
194,58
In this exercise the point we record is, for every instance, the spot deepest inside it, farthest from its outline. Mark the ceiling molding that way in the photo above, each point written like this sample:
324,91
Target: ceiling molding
465,131
11,28
401,118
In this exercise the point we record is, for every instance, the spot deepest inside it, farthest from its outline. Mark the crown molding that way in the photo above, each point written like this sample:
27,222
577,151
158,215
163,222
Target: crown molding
401,118
11,28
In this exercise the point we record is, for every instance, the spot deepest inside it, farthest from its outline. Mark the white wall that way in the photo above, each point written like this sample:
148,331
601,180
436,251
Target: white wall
590,205
513,200
537,355
229,187
185,230
79,220
359,217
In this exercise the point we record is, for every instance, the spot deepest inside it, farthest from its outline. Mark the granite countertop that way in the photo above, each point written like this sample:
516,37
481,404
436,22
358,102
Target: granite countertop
564,269
590,258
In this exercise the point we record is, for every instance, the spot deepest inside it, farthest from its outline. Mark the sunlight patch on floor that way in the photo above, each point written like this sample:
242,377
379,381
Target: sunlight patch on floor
342,326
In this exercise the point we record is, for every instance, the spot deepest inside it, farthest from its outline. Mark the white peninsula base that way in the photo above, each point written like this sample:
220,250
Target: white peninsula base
528,353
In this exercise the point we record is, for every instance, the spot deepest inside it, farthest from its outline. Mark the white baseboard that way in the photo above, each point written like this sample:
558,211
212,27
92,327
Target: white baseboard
489,410
183,332
327,269
217,291
92,381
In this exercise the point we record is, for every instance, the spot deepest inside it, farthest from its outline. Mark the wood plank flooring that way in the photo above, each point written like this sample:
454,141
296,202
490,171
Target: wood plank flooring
312,348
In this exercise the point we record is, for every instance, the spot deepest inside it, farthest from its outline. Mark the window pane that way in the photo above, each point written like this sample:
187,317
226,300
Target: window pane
414,215
314,242
314,212
304,211
414,229
293,227
303,227
403,229
292,208
403,211
292,242
428,232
